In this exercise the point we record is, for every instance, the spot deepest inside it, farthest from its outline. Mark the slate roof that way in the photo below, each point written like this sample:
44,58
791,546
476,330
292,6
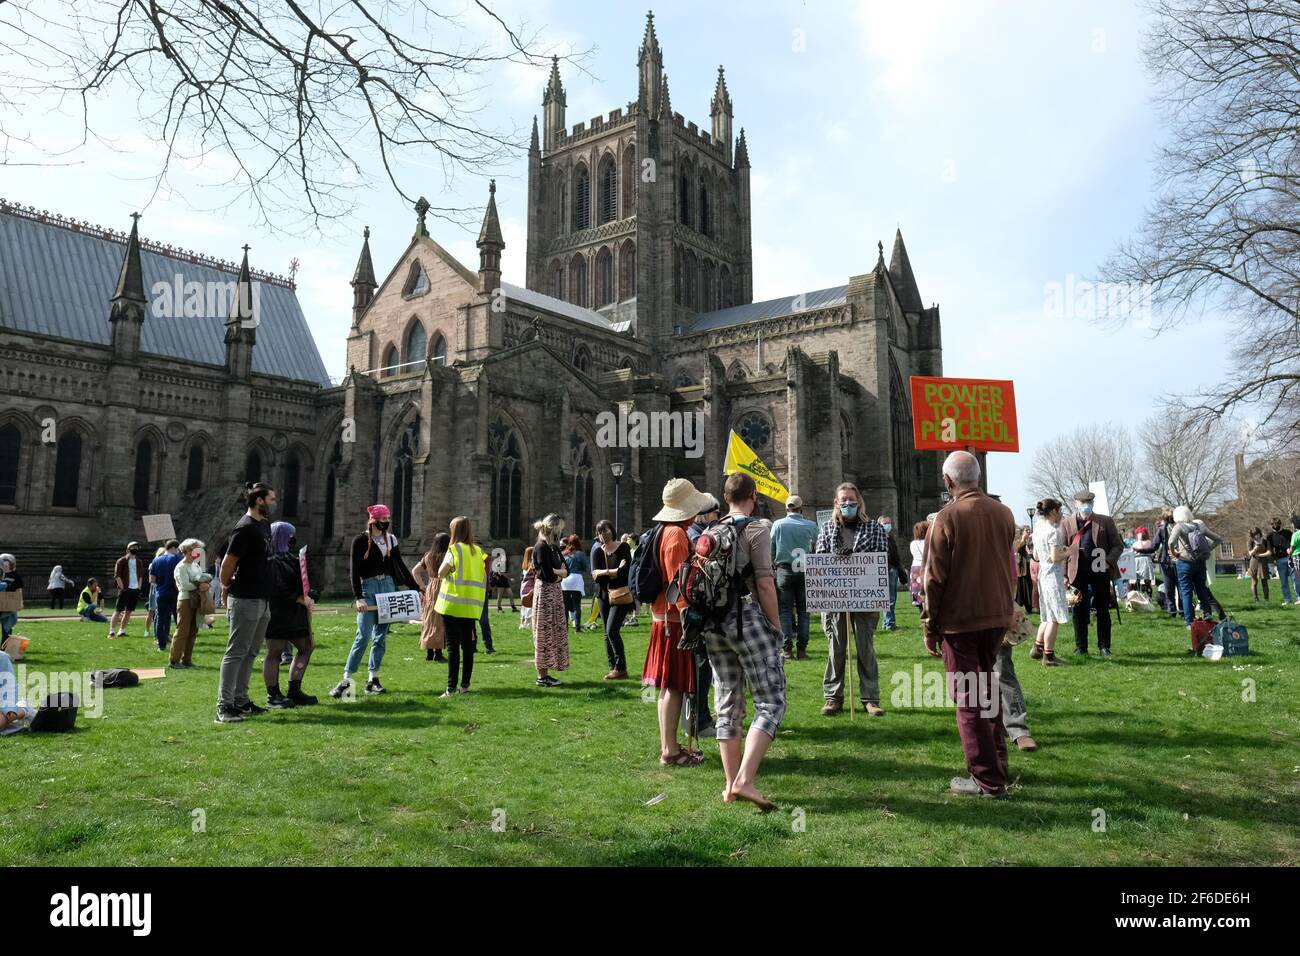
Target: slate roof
769,309
540,301
57,278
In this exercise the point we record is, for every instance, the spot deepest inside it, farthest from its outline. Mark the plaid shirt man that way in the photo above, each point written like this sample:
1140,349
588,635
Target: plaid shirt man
870,537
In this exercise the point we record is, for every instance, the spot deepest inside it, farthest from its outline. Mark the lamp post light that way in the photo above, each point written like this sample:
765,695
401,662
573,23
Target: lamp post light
616,468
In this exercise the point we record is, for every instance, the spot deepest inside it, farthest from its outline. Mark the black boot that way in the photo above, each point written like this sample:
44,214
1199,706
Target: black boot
297,696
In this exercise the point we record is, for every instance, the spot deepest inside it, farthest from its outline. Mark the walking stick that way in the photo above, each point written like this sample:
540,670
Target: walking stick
849,635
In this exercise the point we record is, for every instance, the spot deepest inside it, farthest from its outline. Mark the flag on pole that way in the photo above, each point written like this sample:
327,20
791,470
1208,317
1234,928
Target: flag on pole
740,457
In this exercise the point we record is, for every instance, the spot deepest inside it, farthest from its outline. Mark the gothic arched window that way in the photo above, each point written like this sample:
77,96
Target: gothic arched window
417,282
402,481
582,359
417,343
706,216
67,471
690,275
331,490
578,280
292,487
755,429
584,487
707,287
253,466
439,353
629,182
557,281
627,271
684,198
581,199
194,468
607,197
683,379
390,363
11,446
604,277
505,450
143,490
726,296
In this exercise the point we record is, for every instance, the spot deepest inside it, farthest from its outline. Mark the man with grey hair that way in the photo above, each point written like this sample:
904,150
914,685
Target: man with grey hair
969,583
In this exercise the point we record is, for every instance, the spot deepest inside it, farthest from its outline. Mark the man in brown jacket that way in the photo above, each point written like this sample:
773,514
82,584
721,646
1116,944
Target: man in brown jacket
968,607
1091,565
130,573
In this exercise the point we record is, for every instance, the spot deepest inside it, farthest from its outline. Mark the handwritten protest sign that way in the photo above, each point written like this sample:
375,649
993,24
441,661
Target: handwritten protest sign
952,413
847,582
158,528
824,515
396,606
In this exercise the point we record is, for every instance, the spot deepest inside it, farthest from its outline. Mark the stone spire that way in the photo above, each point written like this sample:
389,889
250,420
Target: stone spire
490,243
553,104
533,145
742,151
363,281
720,110
128,306
650,67
900,271
241,325
665,102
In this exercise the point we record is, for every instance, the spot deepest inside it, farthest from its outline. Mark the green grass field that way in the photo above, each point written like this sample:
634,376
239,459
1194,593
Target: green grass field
1185,770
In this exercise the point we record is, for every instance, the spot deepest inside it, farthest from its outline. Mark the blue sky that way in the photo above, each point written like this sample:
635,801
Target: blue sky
1012,142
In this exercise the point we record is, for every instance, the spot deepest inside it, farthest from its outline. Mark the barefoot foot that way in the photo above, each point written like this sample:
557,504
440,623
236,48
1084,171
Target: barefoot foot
747,791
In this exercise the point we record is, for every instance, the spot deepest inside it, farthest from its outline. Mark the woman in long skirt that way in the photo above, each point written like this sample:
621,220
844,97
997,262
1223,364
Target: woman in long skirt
550,622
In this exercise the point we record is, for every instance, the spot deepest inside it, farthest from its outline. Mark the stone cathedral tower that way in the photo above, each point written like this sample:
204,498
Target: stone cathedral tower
640,215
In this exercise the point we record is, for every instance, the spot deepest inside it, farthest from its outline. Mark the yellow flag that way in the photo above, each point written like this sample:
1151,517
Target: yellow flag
740,457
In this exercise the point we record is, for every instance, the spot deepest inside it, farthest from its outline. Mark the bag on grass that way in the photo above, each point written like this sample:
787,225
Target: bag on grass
115,677
57,714
1202,634
1232,636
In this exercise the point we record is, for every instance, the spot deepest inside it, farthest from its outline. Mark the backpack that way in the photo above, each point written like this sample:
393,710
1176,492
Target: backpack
1202,632
710,581
1232,637
115,677
645,577
1199,543
57,714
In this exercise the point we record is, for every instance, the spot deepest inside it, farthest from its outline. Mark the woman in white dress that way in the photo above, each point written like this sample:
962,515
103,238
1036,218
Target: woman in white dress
1050,554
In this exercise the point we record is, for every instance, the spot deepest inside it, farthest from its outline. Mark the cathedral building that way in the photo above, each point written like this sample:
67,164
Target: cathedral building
466,394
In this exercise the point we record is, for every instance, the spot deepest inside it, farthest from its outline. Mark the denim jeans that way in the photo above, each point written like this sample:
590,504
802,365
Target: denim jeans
92,614
163,616
791,599
1285,576
485,625
887,620
1191,577
369,628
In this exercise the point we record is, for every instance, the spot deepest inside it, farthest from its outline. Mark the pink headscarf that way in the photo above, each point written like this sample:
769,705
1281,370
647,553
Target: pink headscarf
379,513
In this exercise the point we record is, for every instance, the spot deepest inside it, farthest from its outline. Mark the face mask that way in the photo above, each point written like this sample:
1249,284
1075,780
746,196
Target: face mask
888,528
381,526
849,511
1085,509
195,555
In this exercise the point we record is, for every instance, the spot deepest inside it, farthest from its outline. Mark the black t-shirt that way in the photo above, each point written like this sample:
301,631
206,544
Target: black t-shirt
251,544
602,561
1279,541
545,561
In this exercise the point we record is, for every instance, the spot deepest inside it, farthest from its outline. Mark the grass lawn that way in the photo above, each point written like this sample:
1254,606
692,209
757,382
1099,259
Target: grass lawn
1185,770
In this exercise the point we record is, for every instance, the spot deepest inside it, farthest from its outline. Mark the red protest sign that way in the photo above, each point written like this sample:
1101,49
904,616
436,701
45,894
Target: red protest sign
952,413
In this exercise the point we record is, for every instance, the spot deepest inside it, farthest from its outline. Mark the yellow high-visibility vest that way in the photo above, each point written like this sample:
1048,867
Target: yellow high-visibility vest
464,592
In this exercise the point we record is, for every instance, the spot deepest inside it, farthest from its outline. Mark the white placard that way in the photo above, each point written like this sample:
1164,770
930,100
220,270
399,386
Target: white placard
498,560
1128,565
398,606
847,582
158,528
824,516
1101,503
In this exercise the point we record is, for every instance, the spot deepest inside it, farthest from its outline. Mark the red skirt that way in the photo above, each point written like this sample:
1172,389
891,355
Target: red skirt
666,667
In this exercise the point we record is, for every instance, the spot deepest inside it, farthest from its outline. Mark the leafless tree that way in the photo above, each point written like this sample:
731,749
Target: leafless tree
1223,234
1269,489
298,97
1066,465
1189,462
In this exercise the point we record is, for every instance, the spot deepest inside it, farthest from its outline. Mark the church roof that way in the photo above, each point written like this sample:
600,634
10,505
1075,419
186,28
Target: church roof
57,278
539,301
769,309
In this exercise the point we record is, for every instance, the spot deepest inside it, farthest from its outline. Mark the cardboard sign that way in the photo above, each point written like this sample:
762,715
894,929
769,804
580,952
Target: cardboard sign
11,600
498,560
158,528
847,582
823,516
1101,501
954,413
398,606
1128,565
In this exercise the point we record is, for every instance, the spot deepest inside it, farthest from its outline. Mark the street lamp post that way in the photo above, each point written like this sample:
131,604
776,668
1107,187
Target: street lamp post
616,468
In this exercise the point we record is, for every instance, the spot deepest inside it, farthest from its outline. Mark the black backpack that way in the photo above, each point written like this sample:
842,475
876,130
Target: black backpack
115,677
57,714
645,576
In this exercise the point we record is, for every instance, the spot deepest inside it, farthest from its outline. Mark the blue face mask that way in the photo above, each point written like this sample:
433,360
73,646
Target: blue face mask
888,528
849,511
1085,509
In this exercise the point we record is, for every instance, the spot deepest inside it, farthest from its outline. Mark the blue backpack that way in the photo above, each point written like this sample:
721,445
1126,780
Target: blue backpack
645,577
